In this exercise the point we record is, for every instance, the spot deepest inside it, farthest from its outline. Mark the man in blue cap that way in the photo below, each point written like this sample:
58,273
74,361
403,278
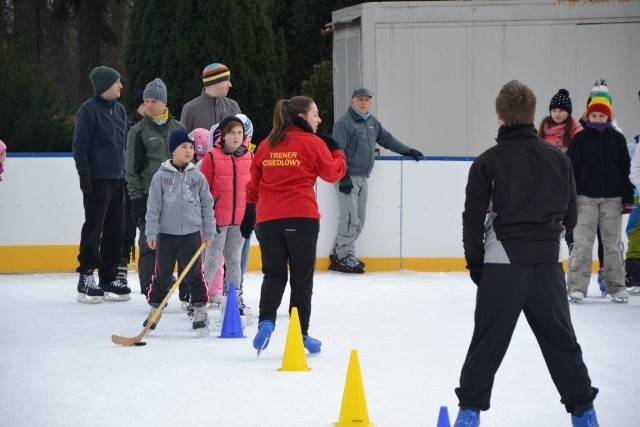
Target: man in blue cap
357,132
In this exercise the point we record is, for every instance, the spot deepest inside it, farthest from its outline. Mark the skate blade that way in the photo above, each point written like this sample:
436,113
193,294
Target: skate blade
620,300
202,332
264,345
88,299
109,296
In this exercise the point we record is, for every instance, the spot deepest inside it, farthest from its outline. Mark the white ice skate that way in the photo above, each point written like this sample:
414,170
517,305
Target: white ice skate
576,296
634,291
620,296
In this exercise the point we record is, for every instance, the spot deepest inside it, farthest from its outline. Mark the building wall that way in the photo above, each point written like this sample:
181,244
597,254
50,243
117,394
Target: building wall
435,68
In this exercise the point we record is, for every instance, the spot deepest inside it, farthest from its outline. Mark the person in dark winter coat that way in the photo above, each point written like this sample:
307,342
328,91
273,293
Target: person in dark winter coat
520,199
601,165
98,151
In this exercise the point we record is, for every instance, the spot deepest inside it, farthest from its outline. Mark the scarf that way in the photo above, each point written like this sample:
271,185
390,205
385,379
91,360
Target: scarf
161,118
600,127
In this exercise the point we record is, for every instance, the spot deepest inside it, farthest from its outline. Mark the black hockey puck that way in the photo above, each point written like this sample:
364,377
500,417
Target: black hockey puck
140,344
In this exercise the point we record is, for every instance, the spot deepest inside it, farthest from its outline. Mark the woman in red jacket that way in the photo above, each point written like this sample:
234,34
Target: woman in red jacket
282,202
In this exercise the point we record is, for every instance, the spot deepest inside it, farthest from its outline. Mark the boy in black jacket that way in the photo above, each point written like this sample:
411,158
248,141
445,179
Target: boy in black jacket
520,200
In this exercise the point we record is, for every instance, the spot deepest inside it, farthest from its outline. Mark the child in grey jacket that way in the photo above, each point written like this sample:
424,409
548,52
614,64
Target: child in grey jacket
179,217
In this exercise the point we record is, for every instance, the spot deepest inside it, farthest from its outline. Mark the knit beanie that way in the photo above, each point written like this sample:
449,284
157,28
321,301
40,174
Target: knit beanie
156,90
600,99
179,136
200,141
561,100
225,122
102,78
215,73
248,125
138,100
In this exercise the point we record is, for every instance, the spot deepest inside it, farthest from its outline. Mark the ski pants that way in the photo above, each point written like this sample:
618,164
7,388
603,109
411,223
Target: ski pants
353,213
227,243
286,246
180,249
593,212
537,290
101,234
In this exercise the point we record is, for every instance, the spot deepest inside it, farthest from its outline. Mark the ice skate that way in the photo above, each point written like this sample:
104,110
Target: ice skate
348,264
312,345
467,418
587,419
216,300
261,340
576,296
116,291
123,270
200,321
601,282
634,291
620,296
88,291
146,321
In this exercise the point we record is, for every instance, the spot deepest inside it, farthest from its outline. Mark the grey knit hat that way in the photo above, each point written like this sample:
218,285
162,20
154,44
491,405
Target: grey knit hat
156,90
102,78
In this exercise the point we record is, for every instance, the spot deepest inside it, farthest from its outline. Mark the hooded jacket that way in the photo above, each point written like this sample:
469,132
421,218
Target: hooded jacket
179,203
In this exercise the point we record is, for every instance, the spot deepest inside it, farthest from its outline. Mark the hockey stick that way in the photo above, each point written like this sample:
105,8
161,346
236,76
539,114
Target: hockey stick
137,340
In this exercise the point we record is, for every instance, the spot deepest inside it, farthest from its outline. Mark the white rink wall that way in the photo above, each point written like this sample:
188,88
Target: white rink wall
414,208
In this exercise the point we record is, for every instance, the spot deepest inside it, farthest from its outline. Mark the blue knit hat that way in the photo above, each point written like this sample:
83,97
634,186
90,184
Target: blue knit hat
179,136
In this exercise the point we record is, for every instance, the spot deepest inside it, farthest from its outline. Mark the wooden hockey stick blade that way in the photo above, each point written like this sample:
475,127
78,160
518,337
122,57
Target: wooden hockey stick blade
131,341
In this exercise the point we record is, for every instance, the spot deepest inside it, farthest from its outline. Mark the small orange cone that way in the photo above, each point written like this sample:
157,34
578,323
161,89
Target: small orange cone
294,358
354,404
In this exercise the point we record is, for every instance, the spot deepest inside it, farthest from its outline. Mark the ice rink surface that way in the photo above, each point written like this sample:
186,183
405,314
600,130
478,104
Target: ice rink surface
411,332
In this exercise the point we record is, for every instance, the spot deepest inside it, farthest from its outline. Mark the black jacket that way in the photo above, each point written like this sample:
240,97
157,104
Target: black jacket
520,197
601,164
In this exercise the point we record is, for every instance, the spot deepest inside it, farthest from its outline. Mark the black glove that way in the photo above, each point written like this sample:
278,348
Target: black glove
85,184
139,210
248,221
415,154
346,185
627,208
332,145
218,230
475,274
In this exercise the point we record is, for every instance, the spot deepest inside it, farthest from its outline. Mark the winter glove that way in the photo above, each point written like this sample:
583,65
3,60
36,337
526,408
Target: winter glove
248,221
218,230
138,211
627,208
85,184
415,154
332,145
346,185
475,274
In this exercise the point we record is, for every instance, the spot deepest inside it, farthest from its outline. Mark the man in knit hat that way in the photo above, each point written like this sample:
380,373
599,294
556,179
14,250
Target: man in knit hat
147,148
98,150
212,105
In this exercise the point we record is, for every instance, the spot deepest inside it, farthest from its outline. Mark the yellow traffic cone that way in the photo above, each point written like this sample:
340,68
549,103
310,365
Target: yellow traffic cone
354,404
294,358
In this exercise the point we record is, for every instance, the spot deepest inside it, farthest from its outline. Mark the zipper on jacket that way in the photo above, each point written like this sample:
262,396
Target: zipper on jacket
235,189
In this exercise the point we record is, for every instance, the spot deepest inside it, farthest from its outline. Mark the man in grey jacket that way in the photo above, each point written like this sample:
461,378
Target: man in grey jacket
357,131
212,105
